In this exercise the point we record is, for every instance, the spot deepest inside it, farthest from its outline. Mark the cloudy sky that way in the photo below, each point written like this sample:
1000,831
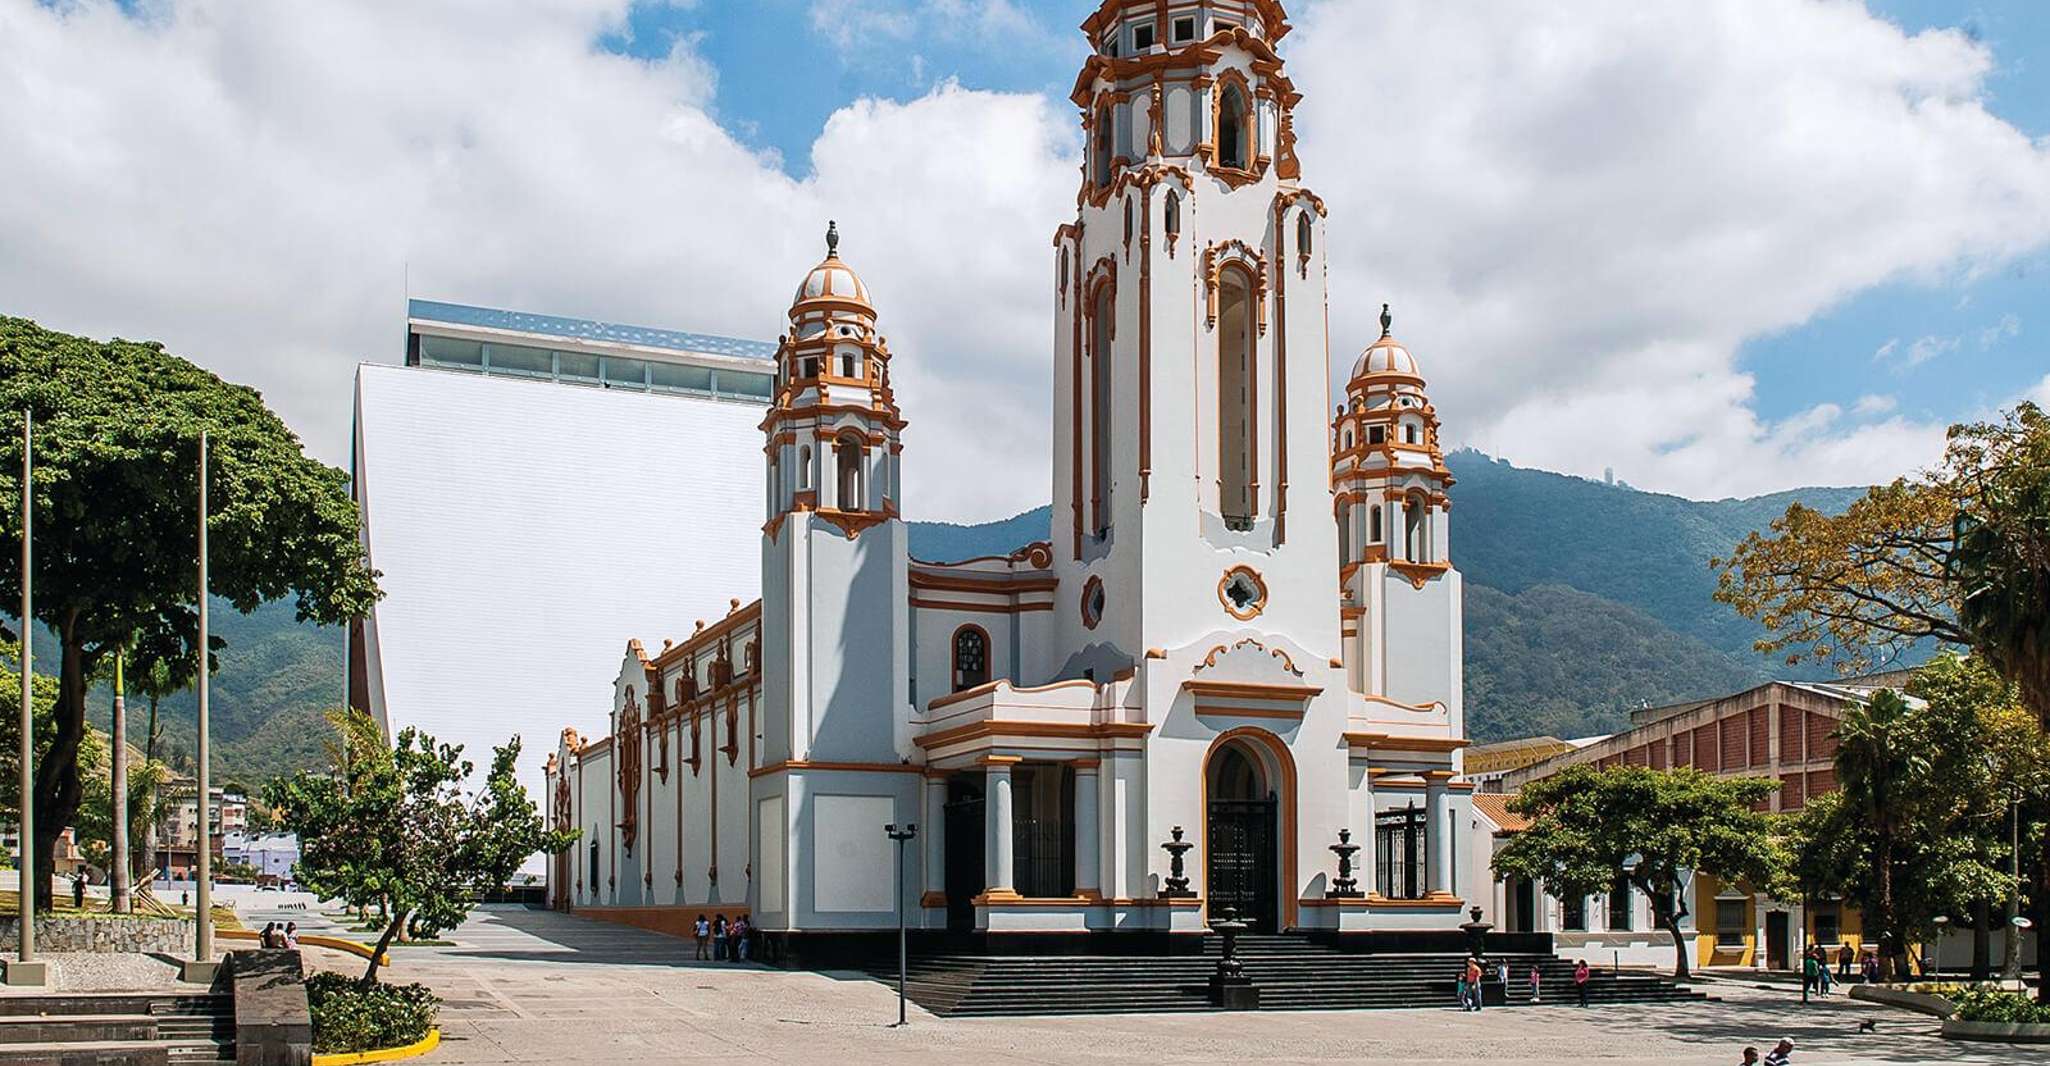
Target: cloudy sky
1722,247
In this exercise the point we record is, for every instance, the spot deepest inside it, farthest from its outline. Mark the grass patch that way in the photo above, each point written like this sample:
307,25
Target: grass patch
96,909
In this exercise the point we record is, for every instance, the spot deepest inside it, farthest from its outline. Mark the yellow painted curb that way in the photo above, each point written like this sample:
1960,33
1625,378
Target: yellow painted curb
361,951
391,1054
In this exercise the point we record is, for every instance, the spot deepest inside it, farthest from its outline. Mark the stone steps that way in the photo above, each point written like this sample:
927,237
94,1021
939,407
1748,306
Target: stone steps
139,1028
1292,973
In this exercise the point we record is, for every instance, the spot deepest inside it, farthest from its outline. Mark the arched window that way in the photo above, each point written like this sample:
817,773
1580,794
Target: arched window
1100,407
1128,221
1413,547
1302,235
1064,276
1348,440
847,364
1173,221
1409,434
804,469
1231,129
1235,422
1374,524
971,658
1345,533
1103,143
847,474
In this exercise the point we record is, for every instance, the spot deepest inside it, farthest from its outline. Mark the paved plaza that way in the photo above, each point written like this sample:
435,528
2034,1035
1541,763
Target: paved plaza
534,986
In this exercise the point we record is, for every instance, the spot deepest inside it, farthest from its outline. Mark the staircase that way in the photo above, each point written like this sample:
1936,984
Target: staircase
141,1028
1291,972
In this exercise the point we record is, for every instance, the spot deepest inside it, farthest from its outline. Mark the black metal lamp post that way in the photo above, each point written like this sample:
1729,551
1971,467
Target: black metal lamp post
1177,880
1345,886
1230,988
902,835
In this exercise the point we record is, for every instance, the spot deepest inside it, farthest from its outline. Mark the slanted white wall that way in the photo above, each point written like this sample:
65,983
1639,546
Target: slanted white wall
524,527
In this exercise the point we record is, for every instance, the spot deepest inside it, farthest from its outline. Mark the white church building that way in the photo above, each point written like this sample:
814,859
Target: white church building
1242,639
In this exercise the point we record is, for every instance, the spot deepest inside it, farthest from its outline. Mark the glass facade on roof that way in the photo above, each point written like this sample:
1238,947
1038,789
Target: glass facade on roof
534,362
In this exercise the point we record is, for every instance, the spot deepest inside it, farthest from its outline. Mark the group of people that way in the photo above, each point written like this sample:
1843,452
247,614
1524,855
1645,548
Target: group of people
1473,978
281,936
1815,973
1782,1054
721,941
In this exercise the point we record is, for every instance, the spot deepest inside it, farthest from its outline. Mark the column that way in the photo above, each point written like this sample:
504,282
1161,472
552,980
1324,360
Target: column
1758,959
1088,829
1438,819
1366,859
997,851
934,831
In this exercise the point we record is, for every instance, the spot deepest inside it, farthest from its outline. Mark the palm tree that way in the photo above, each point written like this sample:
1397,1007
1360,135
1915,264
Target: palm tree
1881,753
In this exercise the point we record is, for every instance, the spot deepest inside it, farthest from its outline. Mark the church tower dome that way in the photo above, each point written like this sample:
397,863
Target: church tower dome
833,430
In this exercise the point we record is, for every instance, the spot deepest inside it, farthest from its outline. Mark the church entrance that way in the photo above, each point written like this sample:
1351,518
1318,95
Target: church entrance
1241,871
965,844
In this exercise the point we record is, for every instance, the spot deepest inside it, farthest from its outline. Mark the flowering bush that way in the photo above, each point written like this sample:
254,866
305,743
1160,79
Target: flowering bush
349,1015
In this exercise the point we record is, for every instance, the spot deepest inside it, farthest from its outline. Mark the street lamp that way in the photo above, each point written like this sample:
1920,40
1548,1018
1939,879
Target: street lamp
1936,953
902,835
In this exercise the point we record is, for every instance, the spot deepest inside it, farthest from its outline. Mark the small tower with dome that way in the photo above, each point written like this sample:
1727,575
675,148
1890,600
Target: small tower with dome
1389,479
836,627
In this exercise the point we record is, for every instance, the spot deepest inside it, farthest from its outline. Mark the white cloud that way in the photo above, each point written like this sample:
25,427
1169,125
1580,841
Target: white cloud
1873,404
254,184
2009,327
1582,211
1579,213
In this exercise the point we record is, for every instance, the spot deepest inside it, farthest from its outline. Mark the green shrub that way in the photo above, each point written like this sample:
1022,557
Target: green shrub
348,1016
1998,1005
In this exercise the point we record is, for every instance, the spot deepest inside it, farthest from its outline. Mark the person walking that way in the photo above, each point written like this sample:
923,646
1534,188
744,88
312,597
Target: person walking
703,929
719,929
1580,978
1475,976
1782,1053
78,891
741,929
1537,978
1808,973
1844,955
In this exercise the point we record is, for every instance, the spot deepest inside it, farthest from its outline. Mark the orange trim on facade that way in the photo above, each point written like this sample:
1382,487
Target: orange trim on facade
1064,730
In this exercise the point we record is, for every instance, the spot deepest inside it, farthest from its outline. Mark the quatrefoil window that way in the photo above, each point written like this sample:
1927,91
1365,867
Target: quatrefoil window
1242,592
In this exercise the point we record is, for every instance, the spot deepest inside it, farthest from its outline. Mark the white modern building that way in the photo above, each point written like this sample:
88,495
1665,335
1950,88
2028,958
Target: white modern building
515,476
1242,640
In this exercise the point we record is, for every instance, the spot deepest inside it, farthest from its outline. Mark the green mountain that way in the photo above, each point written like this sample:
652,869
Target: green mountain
1583,601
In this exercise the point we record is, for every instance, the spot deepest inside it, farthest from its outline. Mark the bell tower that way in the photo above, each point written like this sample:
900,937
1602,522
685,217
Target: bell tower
1190,459
1401,594
835,606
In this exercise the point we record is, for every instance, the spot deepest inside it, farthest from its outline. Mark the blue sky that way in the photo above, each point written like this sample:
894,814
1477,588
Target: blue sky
1933,348
1725,247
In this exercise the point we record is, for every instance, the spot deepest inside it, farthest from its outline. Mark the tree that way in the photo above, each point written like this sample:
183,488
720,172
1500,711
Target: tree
115,498
1591,828
1905,837
392,826
1959,554
1994,762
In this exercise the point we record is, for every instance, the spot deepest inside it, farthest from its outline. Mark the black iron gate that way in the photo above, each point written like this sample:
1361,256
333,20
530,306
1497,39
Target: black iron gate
965,845
1242,873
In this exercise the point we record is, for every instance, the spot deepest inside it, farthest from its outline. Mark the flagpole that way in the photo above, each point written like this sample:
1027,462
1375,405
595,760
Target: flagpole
25,970
202,896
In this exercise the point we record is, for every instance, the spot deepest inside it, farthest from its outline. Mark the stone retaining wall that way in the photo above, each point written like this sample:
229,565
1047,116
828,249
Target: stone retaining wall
168,936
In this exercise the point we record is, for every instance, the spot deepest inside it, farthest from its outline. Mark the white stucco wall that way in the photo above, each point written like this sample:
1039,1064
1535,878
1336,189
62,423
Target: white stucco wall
521,535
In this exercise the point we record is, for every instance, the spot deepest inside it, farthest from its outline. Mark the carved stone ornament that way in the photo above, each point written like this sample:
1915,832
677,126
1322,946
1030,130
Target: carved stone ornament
628,744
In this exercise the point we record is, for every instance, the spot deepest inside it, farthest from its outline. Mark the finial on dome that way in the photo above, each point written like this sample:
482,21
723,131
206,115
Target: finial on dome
832,239
1387,320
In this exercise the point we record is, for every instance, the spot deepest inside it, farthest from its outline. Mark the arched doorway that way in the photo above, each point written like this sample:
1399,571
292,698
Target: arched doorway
1242,871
